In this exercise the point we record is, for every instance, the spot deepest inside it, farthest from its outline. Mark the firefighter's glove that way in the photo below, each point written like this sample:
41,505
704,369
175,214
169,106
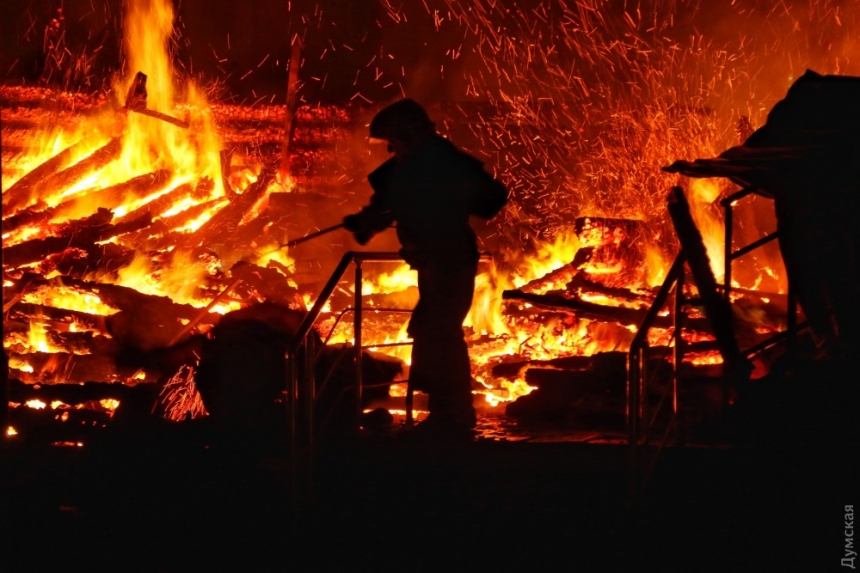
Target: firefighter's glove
352,223
363,237
355,224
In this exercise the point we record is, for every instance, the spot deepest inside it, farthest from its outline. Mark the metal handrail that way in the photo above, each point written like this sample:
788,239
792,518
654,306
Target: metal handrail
347,259
300,339
730,254
348,309
323,385
637,360
636,357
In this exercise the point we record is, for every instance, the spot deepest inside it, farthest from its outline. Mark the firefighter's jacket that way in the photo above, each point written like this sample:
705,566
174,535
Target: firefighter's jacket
429,195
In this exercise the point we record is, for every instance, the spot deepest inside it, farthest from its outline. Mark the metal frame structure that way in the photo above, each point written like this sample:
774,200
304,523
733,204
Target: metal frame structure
730,255
638,426
301,351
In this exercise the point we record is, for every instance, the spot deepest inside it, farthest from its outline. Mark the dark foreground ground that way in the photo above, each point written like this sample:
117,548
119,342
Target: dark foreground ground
169,497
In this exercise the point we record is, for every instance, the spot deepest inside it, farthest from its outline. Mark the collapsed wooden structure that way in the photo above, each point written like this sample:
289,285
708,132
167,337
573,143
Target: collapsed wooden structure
68,253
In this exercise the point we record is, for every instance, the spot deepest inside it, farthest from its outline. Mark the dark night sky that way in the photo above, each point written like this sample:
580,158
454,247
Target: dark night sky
356,46
348,46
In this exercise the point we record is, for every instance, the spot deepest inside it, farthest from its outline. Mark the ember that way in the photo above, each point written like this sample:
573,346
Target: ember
137,216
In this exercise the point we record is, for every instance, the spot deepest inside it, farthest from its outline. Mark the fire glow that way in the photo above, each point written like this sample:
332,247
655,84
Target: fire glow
584,117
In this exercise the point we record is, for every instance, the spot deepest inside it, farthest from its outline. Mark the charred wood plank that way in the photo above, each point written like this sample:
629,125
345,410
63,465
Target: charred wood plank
59,318
135,403
717,308
164,234
107,198
159,205
156,323
122,228
21,192
81,235
580,283
28,216
226,157
65,426
263,283
604,361
162,116
607,362
621,315
575,383
126,298
37,249
84,168
554,280
219,229
250,238
63,341
115,195
290,111
66,368
571,278
143,320
564,397
79,263
73,394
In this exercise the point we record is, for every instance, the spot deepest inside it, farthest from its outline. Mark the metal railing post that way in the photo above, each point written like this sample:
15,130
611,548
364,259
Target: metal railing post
731,255
310,404
357,316
633,377
636,363
791,319
678,351
727,250
292,389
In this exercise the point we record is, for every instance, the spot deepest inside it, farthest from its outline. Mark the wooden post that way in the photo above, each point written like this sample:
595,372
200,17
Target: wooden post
290,110
717,308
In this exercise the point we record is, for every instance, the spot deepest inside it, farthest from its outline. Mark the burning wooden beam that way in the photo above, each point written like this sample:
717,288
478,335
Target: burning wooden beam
59,319
80,234
74,394
21,192
159,205
263,283
566,387
218,231
717,307
144,320
290,109
108,198
75,173
619,314
135,101
69,368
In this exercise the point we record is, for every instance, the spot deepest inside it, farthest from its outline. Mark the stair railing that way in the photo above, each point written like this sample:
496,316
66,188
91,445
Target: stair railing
300,351
638,426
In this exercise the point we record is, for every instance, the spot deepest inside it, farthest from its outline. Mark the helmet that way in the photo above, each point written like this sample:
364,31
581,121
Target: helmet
399,119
